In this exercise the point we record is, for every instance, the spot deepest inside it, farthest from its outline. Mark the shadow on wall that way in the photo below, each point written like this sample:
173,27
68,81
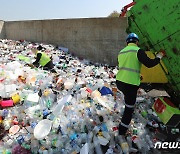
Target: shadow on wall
2,29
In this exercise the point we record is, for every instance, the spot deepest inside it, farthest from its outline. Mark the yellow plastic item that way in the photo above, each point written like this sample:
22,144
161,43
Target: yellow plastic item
16,98
100,133
46,92
155,74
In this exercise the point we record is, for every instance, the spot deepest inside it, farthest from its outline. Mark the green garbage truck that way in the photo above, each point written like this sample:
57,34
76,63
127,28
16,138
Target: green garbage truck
157,24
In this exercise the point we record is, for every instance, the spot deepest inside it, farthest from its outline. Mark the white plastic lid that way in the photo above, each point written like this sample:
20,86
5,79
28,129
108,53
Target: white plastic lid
42,129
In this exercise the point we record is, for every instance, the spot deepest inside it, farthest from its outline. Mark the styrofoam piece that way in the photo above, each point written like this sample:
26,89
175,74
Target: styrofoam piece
10,88
33,97
68,84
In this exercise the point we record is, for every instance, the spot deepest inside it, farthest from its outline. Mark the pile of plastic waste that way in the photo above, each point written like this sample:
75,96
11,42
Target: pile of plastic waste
76,110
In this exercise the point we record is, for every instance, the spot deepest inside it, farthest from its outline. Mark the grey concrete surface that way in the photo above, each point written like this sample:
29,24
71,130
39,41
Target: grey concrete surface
96,39
2,31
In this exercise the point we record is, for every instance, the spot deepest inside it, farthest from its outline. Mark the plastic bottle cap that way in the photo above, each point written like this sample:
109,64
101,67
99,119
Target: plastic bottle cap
144,113
16,98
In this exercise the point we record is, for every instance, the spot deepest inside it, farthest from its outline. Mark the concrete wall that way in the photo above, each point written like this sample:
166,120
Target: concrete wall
2,30
97,39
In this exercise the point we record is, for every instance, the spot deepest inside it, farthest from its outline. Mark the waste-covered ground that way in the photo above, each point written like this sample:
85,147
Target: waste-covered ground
76,110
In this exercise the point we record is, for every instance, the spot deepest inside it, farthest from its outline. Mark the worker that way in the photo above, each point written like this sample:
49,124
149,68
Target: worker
42,59
128,77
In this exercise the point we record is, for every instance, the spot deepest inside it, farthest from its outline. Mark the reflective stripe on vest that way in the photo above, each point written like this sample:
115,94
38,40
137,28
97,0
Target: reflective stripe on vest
127,51
129,69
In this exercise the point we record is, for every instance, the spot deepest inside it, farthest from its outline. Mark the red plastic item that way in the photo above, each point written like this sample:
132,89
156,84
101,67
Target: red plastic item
163,52
169,102
159,106
115,128
6,103
89,90
134,137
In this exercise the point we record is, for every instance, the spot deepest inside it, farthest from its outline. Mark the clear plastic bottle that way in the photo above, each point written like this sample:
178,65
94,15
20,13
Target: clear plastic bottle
106,135
59,107
109,151
143,110
131,149
34,146
7,123
112,142
76,148
137,141
149,141
42,103
97,145
123,144
129,141
50,151
119,150
140,118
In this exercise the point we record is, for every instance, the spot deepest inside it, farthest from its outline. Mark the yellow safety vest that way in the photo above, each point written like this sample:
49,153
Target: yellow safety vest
129,65
44,58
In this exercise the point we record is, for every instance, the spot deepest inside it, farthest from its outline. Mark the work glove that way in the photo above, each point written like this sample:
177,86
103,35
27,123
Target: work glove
161,54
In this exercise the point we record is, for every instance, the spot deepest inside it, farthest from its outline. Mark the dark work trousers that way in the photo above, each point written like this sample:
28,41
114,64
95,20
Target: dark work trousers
130,93
49,66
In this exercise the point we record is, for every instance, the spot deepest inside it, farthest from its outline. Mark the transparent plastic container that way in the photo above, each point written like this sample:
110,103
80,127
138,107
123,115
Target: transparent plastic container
97,145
